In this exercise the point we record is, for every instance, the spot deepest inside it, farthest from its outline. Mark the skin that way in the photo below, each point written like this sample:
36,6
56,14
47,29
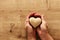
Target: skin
41,30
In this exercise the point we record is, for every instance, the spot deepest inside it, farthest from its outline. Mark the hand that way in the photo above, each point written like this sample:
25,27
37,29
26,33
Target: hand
42,29
30,31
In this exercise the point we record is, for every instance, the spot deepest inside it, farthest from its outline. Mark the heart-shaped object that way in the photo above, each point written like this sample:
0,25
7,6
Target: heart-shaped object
35,21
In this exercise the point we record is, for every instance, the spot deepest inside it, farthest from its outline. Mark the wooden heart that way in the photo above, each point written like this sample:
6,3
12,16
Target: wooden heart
35,21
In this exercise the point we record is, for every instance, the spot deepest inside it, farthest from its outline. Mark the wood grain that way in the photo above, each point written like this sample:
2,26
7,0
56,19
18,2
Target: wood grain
13,15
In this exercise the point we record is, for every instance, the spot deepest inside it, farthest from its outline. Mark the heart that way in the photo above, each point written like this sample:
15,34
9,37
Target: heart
35,21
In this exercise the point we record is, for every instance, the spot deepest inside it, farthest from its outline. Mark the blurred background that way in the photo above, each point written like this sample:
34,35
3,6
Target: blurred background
13,15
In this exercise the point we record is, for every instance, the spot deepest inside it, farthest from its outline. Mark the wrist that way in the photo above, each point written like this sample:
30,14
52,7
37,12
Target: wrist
47,36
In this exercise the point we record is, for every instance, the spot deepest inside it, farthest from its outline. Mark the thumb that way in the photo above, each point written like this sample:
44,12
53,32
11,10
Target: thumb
30,33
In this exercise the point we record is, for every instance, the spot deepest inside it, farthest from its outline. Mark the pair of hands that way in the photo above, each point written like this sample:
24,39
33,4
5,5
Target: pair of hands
41,30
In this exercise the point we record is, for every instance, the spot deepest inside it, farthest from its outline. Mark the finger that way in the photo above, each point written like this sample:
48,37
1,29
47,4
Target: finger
39,32
37,15
31,14
44,24
42,17
30,33
43,20
43,28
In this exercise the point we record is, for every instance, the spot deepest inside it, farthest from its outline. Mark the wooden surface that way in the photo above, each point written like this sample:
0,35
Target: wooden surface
13,15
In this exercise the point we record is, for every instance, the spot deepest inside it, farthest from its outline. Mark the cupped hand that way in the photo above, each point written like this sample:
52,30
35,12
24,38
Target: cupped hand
41,29
30,31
